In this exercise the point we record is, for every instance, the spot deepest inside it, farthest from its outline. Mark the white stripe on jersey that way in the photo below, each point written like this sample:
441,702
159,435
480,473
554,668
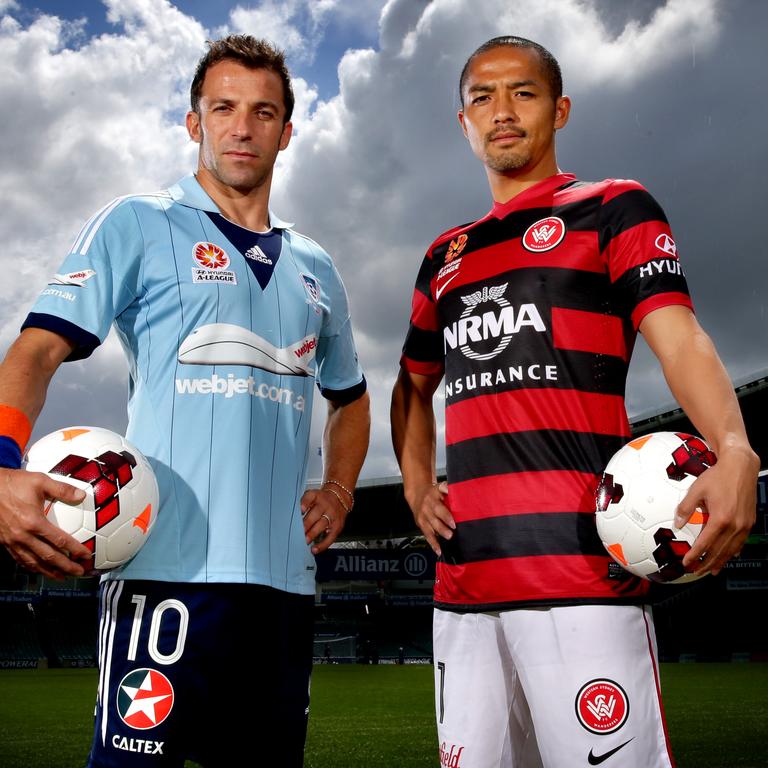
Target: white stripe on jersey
107,630
99,218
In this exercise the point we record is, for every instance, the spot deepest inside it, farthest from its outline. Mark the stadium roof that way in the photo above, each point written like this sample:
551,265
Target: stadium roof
381,511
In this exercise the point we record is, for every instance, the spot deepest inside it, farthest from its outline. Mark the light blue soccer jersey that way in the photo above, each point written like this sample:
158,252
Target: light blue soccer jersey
225,331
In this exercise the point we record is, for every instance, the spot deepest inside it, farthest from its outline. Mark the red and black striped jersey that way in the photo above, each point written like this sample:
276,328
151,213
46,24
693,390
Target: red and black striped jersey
531,313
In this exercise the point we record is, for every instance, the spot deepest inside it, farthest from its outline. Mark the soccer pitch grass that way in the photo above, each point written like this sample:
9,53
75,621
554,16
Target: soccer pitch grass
377,716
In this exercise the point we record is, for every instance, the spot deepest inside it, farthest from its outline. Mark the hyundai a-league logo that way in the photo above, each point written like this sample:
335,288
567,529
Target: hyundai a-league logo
144,698
210,256
602,706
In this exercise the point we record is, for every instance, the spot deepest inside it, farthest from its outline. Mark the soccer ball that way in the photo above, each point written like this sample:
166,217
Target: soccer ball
120,506
636,501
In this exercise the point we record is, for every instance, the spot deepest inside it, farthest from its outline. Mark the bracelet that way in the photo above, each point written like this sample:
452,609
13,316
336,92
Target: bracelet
343,505
343,488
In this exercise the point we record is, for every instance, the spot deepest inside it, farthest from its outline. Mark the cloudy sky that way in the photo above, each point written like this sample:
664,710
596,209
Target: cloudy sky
669,93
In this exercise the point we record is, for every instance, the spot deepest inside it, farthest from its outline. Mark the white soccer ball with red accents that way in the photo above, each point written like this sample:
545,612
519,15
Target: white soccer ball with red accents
636,501
120,505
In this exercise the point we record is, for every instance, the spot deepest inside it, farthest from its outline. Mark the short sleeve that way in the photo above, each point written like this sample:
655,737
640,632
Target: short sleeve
637,243
423,348
96,281
339,375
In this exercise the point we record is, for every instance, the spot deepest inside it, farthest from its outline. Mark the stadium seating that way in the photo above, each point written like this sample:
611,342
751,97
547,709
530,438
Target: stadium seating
19,642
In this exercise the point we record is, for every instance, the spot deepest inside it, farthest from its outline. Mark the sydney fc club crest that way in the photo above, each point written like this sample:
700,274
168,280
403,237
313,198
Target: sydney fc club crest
144,698
544,234
312,287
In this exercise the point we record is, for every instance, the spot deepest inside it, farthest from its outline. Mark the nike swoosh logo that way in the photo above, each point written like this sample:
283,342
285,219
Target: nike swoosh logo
594,759
439,290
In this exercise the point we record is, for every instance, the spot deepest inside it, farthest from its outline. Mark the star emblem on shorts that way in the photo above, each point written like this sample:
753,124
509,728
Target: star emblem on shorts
144,698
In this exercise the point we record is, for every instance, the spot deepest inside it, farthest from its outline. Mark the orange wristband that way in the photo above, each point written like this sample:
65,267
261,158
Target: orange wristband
15,424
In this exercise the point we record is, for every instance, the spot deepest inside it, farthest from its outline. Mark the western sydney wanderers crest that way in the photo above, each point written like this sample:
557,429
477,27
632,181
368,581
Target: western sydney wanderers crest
602,706
544,234
144,698
211,262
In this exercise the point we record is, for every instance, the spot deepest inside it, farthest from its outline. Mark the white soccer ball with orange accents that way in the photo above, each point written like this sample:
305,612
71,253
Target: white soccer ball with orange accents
636,501
121,495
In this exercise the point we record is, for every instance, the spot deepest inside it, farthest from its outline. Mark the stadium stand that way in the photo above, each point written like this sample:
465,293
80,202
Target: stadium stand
69,627
20,645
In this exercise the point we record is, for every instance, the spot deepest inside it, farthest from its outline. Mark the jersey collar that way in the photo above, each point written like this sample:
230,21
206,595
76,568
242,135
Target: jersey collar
527,198
188,191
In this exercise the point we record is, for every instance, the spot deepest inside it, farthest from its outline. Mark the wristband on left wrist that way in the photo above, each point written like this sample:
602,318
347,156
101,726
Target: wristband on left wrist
10,453
15,429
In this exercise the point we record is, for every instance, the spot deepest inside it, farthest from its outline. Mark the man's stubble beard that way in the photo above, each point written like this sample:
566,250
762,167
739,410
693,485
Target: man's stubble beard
506,161
242,182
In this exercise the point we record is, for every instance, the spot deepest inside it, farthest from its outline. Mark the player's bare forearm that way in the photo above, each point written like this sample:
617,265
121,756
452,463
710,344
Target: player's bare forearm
413,429
32,541
413,438
700,383
345,440
345,443
28,367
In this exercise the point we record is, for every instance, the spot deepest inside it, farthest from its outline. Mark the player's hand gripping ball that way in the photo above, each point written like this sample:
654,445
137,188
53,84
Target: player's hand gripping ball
121,496
636,501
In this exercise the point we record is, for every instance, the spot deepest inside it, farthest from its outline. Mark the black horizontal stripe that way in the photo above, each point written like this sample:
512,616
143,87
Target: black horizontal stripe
344,396
423,346
533,535
546,287
583,371
424,277
530,451
654,277
84,341
627,210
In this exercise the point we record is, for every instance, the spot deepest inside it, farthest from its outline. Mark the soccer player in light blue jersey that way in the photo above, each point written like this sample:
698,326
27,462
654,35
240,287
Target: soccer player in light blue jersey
227,316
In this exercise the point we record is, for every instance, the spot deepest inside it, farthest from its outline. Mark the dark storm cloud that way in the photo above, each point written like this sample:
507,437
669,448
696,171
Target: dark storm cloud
667,93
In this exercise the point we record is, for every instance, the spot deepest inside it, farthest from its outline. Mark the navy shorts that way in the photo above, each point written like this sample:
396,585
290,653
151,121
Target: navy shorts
214,673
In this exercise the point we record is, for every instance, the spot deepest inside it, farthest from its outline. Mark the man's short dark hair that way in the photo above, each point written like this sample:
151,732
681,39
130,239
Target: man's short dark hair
548,62
250,52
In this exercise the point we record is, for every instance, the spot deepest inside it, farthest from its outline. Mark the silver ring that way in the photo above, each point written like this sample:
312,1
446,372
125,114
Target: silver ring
330,522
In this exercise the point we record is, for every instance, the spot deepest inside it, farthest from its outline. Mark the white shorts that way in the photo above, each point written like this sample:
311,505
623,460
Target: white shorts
549,687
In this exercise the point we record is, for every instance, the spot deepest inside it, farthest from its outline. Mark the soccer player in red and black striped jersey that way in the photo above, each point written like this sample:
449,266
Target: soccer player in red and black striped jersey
544,654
